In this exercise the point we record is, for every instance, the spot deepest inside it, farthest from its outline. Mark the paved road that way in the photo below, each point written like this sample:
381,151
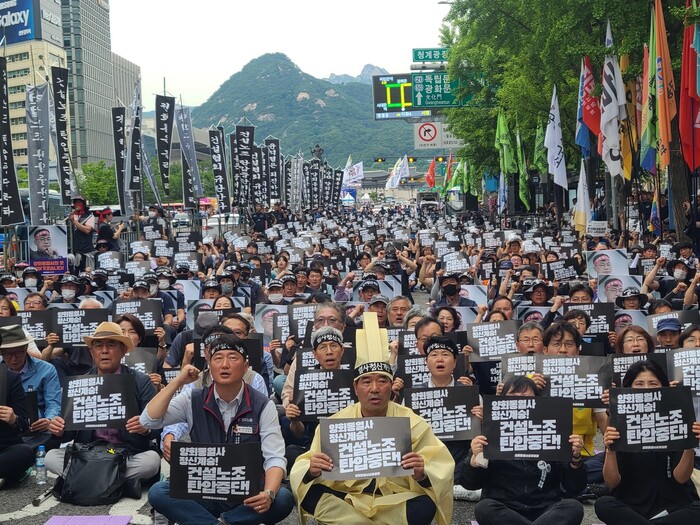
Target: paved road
16,502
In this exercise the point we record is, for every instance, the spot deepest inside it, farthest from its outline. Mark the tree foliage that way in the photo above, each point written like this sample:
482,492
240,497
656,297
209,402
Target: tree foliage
509,54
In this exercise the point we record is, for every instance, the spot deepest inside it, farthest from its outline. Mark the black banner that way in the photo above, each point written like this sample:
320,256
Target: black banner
37,323
684,366
242,162
492,340
306,186
287,181
257,195
38,139
562,270
652,418
337,185
135,181
264,181
149,311
218,166
59,81
235,173
322,393
529,428
581,379
99,401
448,410
620,363
112,260
143,360
188,198
72,325
602,316
326,186
119,135
165,112
10,202
221,472
274,168
315,183
362,448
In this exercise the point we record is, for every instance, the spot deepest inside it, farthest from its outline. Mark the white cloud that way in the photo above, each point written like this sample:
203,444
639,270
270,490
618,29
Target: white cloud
198,45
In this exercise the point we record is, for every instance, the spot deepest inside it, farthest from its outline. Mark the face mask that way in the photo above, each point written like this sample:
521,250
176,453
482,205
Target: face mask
31,282
226,288
450,289
163,284
152,214
275,297
152,289
680,275
68,295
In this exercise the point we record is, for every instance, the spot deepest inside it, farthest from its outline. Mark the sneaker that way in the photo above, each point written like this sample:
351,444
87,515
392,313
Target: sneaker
159,519
462,494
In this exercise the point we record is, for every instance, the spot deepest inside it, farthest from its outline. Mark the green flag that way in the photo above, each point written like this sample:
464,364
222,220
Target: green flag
540,158
523,179
504,146
456,179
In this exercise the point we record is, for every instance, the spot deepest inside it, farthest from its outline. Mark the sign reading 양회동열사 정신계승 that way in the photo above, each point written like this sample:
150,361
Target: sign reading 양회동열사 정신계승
99,401
652,419
362,448
219,472
684,366
530,428
492,340
322,393
447,409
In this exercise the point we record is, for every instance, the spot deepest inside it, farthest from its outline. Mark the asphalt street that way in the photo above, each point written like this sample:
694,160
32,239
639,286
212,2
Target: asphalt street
16,502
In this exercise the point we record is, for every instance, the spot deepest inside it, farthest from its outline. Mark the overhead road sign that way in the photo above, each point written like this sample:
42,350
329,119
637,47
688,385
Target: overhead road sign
392,98
435,91
431,54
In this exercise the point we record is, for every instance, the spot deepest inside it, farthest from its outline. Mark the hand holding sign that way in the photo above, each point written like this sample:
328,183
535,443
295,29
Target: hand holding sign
414,461
320,462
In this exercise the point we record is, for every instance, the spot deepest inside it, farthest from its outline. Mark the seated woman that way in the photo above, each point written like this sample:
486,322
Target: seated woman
524,492
647,487
133,328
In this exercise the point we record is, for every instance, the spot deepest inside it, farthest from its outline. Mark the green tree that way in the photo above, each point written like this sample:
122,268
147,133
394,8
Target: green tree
98,184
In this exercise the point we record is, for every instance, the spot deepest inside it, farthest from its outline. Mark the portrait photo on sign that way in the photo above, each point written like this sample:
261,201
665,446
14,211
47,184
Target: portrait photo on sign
610,287
607,262
48,249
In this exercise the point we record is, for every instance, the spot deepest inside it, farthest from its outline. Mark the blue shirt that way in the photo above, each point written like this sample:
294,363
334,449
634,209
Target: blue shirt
42,378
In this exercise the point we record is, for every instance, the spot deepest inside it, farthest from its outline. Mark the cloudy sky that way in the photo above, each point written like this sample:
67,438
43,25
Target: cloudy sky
196,46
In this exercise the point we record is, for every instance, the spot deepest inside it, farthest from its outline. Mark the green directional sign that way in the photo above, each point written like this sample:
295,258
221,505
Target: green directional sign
430,54
434,90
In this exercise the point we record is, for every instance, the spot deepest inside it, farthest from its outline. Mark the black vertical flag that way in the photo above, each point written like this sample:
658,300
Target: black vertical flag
337,184
306,185
326,185
315,181
264,179
59,80
119,135
11,204
256,191
274,167
287,181
165,111
235,174
188,157
245,139
218,166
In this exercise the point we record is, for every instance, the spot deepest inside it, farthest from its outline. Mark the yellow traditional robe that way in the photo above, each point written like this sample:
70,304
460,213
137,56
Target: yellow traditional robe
390,494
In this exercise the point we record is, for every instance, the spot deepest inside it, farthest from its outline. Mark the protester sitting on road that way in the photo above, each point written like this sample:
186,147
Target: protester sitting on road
16,457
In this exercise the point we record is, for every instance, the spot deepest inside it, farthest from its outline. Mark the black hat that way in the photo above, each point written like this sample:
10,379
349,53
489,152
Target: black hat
141,284
164,271
440,342
288,277
549,289
69,278
225,275
369,283
451,275
211,284
228,342
629,293
275,283
150,276
671,264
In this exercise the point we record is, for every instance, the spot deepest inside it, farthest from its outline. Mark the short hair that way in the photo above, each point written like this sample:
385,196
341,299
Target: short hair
217,329
426,321
501,298
636,330
318,298
687,333
559,329
581,287
90,302
333,306
532,325
135,323
645,365
518,385
396,299
656,304
37,295
316,269
575,313
237,316
456,318
415,311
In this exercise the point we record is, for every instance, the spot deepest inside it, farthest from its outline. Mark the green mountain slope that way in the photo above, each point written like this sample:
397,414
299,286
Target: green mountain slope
283,101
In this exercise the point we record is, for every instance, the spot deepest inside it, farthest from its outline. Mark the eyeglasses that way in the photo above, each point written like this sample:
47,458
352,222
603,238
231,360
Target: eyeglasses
530,340
326,320
12,355
108,344
613,289
638,339
32,303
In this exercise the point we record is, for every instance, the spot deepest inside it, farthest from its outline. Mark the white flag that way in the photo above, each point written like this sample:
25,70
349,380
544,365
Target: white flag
391,181
502,194
400,171
555,145
582,212
612,109
346,170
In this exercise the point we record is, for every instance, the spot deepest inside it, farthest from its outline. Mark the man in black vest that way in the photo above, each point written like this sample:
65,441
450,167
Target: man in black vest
82,223
229,411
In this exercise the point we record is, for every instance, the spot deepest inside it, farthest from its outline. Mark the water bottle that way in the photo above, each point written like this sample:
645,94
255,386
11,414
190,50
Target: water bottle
40,464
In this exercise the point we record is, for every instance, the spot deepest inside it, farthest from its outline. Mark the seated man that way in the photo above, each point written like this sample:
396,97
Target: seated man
413,499
36,375
15,456
213,414
108,346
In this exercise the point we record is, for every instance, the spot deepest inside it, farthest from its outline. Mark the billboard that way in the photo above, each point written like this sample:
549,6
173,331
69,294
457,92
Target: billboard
17,21
392,98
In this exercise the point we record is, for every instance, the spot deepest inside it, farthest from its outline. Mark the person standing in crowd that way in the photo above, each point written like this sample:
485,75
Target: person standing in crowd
106,233
82,224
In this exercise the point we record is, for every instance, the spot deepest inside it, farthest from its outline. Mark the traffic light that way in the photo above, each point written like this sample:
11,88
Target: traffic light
440,159
380,159
411,159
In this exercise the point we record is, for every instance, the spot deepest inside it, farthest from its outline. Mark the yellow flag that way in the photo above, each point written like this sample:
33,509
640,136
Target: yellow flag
628,126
